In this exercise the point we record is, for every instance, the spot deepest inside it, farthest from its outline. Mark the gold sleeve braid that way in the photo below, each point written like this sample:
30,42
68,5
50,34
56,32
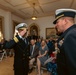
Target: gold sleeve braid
16,39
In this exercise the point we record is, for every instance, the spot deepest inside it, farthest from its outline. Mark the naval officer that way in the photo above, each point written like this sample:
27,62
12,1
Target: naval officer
66,27
21,50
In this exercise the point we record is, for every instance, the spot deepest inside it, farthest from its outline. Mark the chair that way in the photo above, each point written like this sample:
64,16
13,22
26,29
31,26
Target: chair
43,68
3,54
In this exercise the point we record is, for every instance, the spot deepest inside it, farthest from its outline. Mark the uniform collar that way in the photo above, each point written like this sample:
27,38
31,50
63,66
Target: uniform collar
70,28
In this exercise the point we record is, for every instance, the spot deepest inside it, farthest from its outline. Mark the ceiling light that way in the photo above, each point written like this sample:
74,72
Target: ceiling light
34,16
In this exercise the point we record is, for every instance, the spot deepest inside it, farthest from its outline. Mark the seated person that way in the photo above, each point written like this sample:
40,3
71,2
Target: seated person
51,68
43,55
52,58
51,62
34,50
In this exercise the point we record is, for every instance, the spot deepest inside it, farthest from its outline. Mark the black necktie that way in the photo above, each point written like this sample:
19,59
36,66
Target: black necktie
24,39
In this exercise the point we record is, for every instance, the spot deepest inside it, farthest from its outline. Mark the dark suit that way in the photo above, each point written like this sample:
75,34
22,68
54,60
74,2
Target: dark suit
21,60
35,52
66,58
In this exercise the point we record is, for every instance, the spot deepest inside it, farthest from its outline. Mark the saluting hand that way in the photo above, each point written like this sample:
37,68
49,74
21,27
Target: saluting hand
23,32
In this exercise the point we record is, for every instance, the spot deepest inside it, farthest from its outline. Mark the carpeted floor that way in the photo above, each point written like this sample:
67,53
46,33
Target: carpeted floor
6,67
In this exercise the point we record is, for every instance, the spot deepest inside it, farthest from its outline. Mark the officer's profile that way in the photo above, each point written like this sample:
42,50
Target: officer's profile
65,25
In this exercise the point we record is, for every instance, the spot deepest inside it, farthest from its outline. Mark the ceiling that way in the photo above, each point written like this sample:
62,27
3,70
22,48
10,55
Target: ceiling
24,8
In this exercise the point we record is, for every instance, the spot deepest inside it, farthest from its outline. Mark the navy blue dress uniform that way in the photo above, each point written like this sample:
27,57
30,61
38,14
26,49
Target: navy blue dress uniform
66,57
21,50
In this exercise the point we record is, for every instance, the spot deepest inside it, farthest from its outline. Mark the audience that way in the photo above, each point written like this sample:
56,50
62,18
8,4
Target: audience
38,42
43,55
34,50
51,61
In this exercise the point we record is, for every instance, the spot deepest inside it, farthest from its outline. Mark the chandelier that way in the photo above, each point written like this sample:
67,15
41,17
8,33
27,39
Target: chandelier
34,16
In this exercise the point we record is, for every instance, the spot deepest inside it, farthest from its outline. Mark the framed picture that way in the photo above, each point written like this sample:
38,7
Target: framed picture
50,31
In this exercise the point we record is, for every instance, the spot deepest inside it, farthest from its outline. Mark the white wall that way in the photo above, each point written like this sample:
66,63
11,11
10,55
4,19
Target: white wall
17,19
7,26
44,22
7,23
